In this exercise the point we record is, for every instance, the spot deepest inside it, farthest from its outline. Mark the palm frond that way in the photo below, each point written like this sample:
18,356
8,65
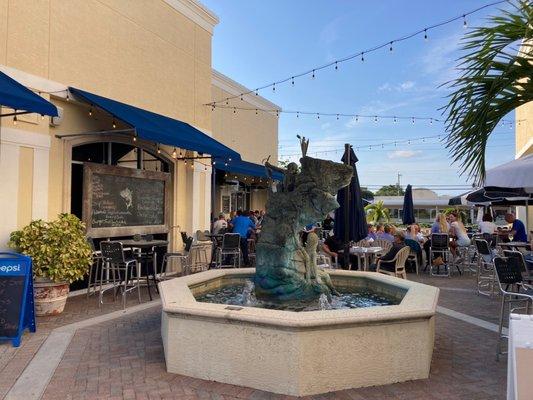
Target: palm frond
495,79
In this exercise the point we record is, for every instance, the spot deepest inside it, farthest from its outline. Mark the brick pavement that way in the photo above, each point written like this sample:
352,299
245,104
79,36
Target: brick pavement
123,358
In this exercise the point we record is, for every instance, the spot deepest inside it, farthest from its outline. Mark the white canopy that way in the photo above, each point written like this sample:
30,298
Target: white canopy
514,174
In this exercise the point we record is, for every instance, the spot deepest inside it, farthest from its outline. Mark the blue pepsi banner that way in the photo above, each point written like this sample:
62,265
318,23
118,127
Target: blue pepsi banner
17,310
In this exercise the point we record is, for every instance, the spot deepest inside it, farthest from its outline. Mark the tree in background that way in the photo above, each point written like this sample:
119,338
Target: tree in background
496,79
367,194
390,190
377,213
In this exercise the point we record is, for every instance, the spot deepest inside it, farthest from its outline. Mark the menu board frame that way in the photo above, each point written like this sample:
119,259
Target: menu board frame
89,169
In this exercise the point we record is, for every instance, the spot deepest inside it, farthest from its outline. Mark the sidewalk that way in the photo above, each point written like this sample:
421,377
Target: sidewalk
123,358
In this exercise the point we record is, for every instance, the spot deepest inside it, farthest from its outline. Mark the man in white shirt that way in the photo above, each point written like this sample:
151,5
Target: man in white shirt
220,224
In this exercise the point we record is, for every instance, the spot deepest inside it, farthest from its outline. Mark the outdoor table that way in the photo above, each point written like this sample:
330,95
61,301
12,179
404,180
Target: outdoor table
146,244
365,253
514,245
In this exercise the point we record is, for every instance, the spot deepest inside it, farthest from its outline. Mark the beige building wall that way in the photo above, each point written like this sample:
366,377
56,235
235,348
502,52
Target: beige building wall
524,130
253,134
154,54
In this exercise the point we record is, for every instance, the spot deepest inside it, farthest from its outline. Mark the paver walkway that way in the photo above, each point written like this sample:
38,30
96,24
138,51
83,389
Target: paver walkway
123,358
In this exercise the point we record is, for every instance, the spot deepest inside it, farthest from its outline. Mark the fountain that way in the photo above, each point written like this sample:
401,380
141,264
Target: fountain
289,327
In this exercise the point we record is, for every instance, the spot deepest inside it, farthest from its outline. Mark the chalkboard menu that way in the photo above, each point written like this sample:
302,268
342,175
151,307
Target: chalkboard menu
11,295
124,201
17,311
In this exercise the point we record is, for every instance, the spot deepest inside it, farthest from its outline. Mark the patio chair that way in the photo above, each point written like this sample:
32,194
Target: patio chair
399,264
231,247
515,294
94,270
439,248
384,244
415,253
519,256
486,278
192,259
120,270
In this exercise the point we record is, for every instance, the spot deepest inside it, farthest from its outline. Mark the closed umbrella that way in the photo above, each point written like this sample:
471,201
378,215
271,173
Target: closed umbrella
408,217
351,225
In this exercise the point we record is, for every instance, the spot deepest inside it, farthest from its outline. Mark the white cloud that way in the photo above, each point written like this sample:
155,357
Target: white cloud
401,87
330,32
440,59
325,126
403,153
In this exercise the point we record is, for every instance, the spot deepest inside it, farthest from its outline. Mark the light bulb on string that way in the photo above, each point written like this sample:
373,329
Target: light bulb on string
174,153
273,87
227,101
234,110
431,121
185,161
395,120
256,111
90,112
257,92
390,47
375,118
337,117
465,25
42,117
336,66
426,35
297,115
135,137
292,81
413,120
158,149
15,119
241,97
114,124
363,56
357,118
317,115
313,76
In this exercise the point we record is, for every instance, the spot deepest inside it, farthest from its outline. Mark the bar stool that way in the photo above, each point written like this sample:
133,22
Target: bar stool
98,260
120,270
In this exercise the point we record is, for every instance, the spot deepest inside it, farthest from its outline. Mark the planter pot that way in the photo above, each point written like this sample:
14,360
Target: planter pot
50,297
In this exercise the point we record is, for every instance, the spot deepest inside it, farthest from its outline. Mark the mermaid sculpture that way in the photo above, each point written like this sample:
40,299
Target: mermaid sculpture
285,271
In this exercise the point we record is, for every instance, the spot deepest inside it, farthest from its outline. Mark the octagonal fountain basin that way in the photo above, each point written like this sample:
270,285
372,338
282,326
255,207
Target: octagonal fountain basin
380,331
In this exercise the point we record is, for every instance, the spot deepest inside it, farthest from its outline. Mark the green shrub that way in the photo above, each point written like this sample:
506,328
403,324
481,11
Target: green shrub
59,248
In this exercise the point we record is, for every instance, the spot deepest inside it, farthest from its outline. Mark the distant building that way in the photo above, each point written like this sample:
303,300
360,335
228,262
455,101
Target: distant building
426,202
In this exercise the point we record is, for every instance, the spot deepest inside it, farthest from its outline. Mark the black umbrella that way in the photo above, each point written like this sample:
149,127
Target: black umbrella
350,217
408,217
490,195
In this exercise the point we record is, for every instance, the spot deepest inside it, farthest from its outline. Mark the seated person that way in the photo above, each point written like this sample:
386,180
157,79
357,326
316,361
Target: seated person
486,225
379,231
332,246
371,233
387,234
327,225
220,224
518,230
386,260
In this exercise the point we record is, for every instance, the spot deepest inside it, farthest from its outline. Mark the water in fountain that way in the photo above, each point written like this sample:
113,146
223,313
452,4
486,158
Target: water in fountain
248,295
244,295
323,302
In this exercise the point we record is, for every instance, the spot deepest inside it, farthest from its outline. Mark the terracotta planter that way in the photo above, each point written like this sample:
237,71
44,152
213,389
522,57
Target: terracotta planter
50,297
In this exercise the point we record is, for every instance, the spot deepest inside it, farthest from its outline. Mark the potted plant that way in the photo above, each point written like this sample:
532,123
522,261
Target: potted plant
60,254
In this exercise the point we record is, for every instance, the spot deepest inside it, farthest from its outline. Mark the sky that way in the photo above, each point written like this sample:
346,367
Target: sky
258,42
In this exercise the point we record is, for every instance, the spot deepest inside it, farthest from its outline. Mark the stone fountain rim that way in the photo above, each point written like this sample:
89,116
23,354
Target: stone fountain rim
419,302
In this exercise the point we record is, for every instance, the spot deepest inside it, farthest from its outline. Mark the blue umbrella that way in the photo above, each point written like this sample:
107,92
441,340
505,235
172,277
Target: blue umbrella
355,218
408,208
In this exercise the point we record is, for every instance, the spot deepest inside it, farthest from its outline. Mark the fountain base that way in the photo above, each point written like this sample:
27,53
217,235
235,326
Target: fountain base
298,353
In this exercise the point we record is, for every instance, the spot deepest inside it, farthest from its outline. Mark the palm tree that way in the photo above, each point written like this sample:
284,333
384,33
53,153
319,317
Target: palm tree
376,212
495,80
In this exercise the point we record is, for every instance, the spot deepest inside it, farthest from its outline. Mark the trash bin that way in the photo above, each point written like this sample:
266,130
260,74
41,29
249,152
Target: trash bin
17,311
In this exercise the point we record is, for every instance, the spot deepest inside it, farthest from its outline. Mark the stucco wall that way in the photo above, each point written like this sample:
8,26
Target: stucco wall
254,136
143,52
524,129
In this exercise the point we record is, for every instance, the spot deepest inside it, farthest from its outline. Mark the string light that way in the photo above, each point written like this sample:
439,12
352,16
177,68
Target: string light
15,119
42,117
114,124
335,63
90,112
158,150
135,137
174,153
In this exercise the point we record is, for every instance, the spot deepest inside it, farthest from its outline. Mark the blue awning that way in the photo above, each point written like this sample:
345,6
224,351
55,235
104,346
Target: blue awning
158,128
18,97
246,168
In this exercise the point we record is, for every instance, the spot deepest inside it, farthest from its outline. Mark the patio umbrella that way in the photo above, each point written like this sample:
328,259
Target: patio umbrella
408,217
352,222
490,195
514,174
